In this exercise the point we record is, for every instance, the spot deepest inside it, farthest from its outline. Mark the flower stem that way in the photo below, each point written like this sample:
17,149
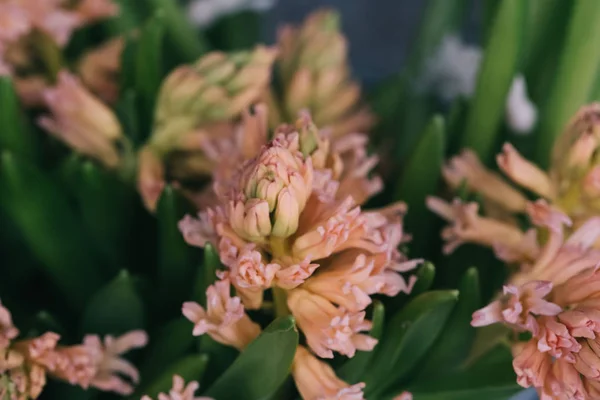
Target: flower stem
280,300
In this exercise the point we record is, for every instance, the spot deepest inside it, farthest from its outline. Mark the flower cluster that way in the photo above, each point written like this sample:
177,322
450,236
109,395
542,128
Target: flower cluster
313,68
555,299
290,220
25,363
31,30
570,185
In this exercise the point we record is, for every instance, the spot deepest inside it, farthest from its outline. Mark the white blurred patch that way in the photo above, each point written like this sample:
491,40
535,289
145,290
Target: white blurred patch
452,72
204,13
521,113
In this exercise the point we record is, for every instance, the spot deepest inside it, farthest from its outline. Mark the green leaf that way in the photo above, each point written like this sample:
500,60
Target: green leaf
105,204
175,257
498,68
493,374
420,178
453,346
190,368
149,65
168,344
456,122
501,393
130,16
425,276
262,367
206,274
354,368
127,111
237,31
15,135
578,68
50,228
407,338
189,43
115,309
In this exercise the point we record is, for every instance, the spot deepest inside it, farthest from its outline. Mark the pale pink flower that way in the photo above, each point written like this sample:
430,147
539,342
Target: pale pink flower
97,364
531,366
82,121
99,69
93,10
8,331
404,396
519,307
291,276
467,168
180,391
224,318
328,328
14,22
349,279
316,380
251,276
50,17
467,226
337,228
524,172
556,339
357,165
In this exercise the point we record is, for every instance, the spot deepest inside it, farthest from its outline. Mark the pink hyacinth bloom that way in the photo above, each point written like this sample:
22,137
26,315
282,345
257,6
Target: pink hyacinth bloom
180,391
291,276
519,306
467,226
316,380
50,17
224,318
556,339
467,167
328,328
531,366
14,22
8,331
524,172
81,120
404,396
352,277
251,276
97,364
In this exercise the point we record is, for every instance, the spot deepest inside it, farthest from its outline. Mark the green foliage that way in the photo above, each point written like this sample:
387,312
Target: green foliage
262,367
498,67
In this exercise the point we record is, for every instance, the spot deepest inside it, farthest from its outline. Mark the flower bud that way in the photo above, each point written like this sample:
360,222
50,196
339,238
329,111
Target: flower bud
82,121
218,87
283,180
314,69
574,164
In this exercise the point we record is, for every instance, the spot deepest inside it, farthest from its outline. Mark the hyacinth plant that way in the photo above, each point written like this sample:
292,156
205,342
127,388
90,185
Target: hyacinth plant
192,214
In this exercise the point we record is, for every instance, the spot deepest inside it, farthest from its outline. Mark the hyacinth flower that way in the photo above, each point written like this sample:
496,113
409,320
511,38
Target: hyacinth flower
83,122
555,299
196,104
570,185
314,71
99,69
25,363
33,30
287,221
180,391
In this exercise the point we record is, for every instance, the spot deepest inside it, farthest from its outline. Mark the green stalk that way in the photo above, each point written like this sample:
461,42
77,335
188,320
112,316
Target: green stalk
577,71
498,68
